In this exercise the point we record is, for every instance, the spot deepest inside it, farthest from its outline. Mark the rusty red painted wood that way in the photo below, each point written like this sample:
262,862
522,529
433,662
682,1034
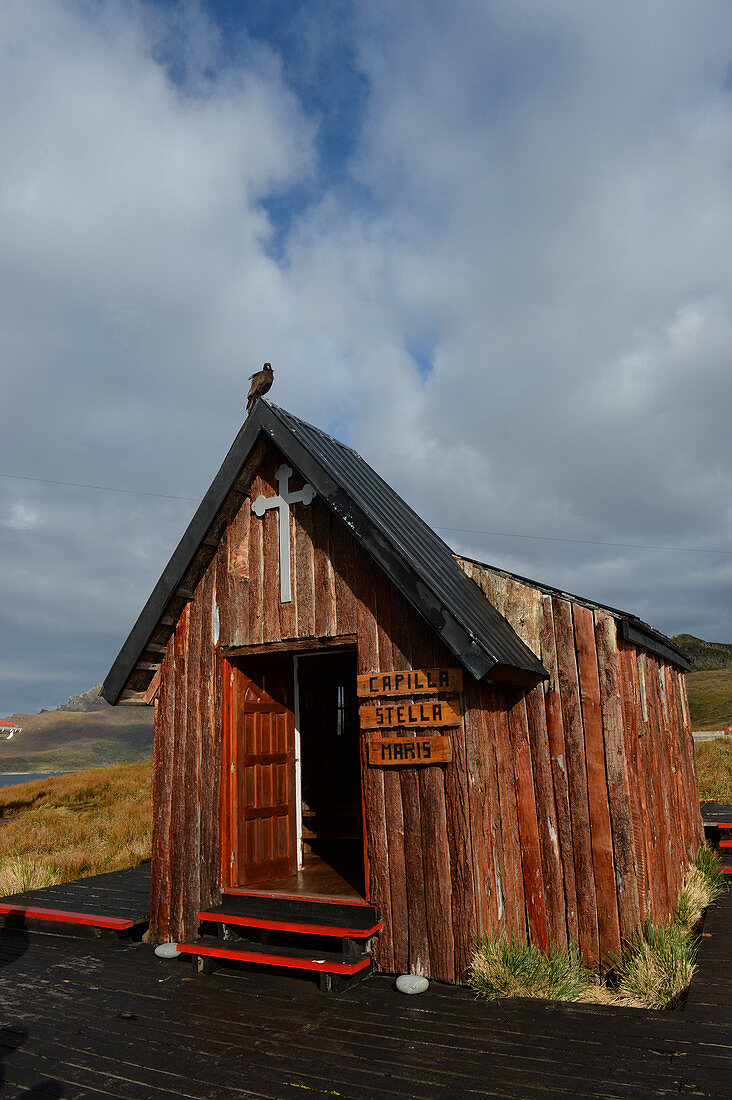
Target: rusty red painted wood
608,923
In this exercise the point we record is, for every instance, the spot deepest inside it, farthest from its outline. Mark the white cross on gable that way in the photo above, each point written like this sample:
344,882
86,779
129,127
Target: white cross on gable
283,501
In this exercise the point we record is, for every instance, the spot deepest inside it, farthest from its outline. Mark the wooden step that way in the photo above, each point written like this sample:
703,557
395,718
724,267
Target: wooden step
300,909
300,917
298,958
15,914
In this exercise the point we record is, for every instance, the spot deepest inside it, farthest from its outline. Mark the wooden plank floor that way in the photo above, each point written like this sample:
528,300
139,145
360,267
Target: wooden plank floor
115,894
712,812
106,1018
316,878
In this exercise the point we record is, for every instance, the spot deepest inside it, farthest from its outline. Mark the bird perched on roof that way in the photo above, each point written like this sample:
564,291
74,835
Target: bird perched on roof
261,384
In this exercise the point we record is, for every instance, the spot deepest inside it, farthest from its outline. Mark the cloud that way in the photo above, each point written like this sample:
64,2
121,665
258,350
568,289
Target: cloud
486,246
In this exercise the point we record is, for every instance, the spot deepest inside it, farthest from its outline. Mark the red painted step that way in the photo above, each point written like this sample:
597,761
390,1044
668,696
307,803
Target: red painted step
290,959
725,844
289,926
65,916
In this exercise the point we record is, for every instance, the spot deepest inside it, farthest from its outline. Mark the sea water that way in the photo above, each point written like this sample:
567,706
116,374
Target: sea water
9,779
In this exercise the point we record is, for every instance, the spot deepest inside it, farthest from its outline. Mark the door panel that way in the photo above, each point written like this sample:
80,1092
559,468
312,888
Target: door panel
263,744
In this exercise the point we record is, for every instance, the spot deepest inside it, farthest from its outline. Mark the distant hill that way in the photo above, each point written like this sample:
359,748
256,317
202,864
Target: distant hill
709,684
704,656
85,732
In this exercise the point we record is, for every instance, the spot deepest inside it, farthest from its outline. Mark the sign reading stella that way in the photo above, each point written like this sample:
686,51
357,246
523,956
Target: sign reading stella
394,715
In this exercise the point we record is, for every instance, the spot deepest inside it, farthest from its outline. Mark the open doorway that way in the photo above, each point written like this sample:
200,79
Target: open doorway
327,719
293,820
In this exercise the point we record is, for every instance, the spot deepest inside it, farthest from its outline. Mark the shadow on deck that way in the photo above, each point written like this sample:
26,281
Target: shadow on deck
107,1018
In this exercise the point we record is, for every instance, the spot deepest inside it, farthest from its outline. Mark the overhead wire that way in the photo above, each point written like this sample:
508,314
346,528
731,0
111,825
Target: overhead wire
458,530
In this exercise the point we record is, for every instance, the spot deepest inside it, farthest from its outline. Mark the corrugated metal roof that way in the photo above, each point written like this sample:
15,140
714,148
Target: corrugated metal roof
415,559
421,548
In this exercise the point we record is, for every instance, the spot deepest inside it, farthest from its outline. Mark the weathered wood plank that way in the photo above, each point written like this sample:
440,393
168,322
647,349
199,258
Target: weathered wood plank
395,644
255,633
435,845
696,830
636,772
527,820
577,781
178,781
394,857
657,840
269,522
210,762
511,841
163,752
617,774
304,578
344,558
189,838
237,580
480,815
377,867
325,611
552,871
608,922
558,756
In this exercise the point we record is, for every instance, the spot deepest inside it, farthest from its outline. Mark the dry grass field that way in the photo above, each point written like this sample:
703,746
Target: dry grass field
710,698
714,769
56,830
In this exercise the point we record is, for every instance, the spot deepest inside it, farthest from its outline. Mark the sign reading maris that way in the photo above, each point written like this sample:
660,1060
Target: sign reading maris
421,681
389,751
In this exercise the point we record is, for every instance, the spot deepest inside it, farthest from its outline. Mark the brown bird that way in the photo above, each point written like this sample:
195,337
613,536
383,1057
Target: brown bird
261,384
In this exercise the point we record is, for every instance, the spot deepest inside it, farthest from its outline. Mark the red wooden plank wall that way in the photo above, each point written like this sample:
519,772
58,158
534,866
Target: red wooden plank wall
613,781
566,811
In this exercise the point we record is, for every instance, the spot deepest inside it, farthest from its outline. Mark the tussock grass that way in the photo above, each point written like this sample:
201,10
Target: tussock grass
654,971
67,827
658,966
714,769
504,966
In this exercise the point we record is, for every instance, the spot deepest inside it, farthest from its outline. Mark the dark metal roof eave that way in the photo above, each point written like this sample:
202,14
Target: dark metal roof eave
632,631
181,558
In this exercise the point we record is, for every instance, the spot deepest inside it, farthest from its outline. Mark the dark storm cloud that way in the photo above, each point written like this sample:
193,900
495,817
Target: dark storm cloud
502,273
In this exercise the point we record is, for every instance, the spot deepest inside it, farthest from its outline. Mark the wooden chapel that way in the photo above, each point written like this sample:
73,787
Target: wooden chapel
369,750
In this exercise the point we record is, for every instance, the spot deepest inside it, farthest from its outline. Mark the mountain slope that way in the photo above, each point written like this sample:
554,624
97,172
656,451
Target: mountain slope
67,740
709,684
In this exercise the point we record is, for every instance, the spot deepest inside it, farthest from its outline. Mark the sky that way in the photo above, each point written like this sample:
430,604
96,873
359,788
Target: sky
487,245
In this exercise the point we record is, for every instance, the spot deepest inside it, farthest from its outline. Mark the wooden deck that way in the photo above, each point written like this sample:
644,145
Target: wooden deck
118,895
106,1018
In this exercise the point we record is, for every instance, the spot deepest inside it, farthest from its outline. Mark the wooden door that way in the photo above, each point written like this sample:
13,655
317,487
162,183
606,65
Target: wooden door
264,825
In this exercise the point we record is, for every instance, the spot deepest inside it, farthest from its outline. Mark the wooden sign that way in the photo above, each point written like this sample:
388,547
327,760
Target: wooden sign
421,681
409,714
385,752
